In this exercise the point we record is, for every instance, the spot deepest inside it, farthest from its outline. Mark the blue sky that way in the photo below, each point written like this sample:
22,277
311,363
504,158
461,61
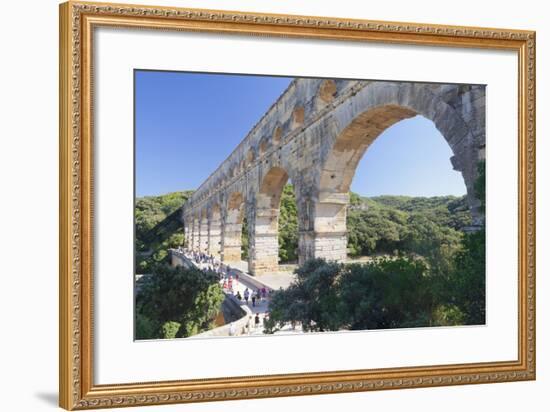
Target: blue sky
188,123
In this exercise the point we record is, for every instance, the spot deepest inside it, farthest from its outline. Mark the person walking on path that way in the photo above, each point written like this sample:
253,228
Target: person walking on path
257,321
253,299
246,295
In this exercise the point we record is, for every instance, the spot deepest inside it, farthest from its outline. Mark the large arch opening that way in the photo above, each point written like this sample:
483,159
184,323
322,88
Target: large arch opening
232,233
275,235
352,143
336,212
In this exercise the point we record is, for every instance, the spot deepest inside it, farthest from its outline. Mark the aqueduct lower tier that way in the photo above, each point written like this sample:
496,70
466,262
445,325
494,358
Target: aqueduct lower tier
315,135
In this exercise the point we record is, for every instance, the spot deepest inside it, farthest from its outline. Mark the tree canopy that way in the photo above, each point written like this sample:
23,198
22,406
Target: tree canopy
435,275
158,228
176,302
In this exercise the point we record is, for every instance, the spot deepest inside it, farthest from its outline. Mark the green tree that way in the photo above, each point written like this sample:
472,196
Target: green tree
244,239
386,293
158,228
189,297
170,329
479,185
288,226
145,327
376,230
312,299
466,283
436,243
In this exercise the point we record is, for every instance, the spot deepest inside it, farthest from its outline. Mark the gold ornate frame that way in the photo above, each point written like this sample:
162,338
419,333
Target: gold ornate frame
76,387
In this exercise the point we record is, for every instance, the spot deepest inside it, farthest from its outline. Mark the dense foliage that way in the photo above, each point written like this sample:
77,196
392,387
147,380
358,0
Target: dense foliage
386,224
427,273
434,276
244,239
385,293
376,226
176,302
466,287
288,226
158,228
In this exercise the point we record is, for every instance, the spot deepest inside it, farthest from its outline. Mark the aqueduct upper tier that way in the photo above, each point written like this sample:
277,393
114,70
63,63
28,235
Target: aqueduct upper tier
315,135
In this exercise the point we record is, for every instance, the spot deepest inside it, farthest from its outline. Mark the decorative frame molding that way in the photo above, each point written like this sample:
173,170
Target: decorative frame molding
76,388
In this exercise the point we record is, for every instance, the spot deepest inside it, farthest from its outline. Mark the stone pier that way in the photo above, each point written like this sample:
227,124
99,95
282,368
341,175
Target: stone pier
314,136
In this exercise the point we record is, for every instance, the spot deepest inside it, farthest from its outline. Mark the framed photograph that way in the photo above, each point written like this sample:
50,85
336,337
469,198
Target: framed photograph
257,205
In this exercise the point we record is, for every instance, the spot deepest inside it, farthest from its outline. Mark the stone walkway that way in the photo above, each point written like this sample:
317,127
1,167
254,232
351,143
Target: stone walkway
281,279
261,307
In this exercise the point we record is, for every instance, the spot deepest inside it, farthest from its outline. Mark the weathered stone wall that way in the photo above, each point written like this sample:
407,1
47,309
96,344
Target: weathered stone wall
315,135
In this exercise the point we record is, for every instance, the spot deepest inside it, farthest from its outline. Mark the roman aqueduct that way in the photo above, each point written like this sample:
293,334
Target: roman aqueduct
315,135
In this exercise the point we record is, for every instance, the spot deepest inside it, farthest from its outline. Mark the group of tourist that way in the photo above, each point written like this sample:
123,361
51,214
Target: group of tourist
229,280
254,295
252,325
204,261
200,257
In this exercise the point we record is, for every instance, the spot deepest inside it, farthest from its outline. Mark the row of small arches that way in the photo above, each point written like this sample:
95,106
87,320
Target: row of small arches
326,93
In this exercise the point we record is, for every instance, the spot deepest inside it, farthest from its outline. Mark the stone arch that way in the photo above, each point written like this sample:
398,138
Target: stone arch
359,124
321,158
379,106
277,135
232,228
215,231
250,156
264,145
264,242
326,93
352,143
298,117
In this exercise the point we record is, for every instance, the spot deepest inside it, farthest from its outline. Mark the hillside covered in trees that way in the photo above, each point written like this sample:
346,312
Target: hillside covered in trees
379,225
425,271
158,227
